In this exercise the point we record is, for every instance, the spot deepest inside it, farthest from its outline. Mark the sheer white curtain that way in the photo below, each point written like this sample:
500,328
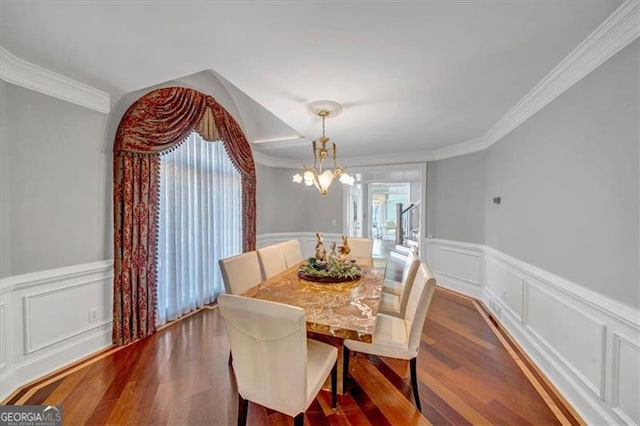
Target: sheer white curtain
200,222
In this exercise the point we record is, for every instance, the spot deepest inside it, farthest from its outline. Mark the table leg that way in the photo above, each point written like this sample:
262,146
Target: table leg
339,344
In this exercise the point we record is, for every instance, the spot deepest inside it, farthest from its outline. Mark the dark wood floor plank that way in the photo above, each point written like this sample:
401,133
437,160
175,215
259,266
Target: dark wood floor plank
389,400
41,394
366,405
181,376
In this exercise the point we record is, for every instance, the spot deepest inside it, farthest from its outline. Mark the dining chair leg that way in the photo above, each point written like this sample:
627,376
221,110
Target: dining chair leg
334,385
243,407
414,383
298,420
345,368
230,358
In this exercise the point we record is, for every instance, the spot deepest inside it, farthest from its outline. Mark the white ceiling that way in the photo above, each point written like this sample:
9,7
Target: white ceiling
412,76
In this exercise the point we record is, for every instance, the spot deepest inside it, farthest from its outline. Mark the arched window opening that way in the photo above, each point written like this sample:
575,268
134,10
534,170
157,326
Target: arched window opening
155,124
200,197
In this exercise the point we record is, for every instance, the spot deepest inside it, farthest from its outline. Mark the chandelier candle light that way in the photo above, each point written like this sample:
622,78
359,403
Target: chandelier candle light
318,175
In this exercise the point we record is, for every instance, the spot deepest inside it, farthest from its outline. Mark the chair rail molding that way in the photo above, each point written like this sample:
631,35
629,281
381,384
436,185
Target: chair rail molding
30,76
586,344
31,344
307,240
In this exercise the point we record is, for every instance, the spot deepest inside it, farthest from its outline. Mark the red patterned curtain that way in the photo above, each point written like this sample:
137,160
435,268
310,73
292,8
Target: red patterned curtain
156,123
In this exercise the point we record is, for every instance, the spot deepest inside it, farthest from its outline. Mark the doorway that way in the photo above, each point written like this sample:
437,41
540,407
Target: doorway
370,204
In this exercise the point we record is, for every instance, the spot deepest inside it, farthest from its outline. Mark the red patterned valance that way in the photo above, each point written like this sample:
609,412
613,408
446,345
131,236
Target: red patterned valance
156,123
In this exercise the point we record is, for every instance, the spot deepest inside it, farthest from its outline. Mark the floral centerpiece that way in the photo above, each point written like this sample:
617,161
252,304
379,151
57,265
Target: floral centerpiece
330,267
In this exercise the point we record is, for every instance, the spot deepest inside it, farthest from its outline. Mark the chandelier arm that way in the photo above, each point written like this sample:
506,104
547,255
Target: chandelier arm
335,164
320,177
315,154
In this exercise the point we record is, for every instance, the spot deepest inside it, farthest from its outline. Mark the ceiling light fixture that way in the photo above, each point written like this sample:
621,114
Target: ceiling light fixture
318,175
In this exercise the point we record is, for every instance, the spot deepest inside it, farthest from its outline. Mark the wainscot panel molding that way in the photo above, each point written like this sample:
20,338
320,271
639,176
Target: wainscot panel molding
30,76
52,318
586,344
4,329
626,378
457,265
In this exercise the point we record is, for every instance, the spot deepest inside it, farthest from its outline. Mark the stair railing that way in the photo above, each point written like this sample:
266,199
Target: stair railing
408,221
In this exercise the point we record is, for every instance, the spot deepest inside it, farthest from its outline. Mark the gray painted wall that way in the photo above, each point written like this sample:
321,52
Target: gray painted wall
568,178
430,209
456,190
5,203
56,189
284,206
55,166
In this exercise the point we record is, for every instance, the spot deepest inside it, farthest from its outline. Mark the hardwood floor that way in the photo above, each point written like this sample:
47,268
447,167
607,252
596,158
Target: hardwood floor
468,370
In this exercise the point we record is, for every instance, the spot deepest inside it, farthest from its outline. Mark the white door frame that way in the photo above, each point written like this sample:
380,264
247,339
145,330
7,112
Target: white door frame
382,169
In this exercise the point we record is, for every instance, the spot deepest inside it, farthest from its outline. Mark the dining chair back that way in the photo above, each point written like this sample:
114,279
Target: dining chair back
396,295
241,272
424,286
396,287
292,252
406,271
409,273
360,247
274,363
272,260
396,337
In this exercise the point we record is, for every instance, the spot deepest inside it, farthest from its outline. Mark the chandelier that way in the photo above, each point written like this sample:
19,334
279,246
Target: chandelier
321,175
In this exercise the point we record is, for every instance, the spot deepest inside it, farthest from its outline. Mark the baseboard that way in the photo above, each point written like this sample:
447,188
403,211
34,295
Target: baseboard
52,318
34,368
585,343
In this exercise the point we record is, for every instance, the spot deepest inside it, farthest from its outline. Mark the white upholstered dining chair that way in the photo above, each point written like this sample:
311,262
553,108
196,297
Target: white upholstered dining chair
274,363
396,337
272,260
396,287
396,304
241,272
292,252
360,247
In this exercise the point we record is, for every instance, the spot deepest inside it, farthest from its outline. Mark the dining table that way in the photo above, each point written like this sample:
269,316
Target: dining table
333,311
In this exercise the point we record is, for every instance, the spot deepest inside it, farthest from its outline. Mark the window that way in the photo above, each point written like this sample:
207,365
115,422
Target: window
200,222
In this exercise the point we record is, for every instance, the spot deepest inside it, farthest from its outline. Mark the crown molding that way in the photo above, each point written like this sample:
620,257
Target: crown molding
291,140
393,158
348,162
271,161
25,74
617,31
462,148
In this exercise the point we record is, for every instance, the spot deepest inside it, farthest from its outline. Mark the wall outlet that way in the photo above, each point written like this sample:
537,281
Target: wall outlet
93,314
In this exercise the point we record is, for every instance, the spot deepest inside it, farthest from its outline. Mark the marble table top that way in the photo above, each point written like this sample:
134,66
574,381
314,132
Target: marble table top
345,310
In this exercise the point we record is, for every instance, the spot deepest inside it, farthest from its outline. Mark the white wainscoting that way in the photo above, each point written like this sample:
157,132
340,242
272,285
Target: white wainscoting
457,264
626,378
46,320
4,329
588,345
